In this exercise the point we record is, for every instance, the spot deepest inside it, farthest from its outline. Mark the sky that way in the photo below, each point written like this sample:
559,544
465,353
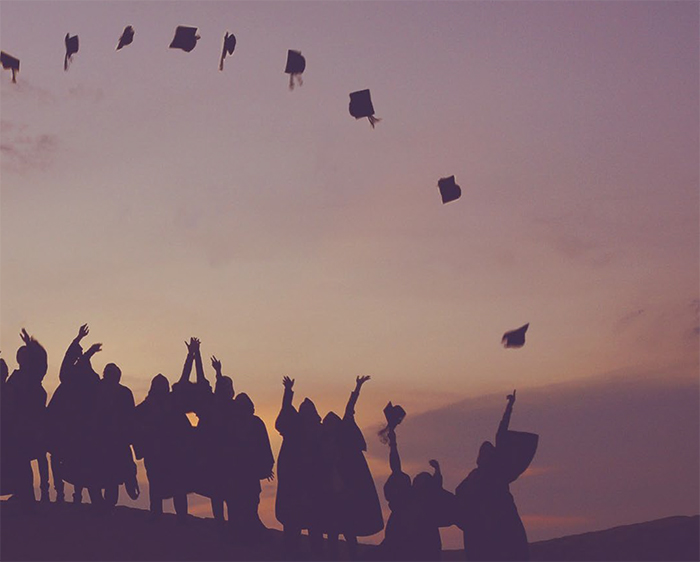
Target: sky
156,198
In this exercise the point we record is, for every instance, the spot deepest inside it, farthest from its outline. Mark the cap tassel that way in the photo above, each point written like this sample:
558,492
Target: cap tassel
300,80
14,76
373,120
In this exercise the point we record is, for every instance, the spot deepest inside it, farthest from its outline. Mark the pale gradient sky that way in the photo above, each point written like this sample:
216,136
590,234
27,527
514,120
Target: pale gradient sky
154,197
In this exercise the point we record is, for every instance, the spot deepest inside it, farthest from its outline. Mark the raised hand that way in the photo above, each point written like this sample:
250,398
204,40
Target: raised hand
94,348
216,364
434,464
26,338
360,380
287,382
270,477
511,398
83,331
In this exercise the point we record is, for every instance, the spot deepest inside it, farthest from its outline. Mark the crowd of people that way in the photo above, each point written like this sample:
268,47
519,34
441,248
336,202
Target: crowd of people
91,430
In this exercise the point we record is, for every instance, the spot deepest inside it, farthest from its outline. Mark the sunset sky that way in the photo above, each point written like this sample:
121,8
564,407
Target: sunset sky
150,195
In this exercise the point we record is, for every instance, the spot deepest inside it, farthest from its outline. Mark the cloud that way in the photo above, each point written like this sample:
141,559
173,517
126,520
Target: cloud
23,151
574,238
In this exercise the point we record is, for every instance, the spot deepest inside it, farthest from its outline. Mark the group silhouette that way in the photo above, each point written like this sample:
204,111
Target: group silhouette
91,431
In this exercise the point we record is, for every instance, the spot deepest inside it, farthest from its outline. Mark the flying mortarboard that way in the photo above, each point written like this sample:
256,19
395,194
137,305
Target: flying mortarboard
515,338
185,38
228,48
71,48
8,61
361,106
296,64
127,37
449,190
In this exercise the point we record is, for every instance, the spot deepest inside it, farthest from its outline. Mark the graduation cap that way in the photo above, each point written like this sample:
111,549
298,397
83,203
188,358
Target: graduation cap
361,106
127,37
515,338
449,190
296,64
8,61
185,38
228,48
71,48
394,414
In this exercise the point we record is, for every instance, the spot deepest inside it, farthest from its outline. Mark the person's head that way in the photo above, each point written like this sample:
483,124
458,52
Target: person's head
486,454
331,423
245,405
308,412
223,389
422,482
111,374
159,387
23,357
33,359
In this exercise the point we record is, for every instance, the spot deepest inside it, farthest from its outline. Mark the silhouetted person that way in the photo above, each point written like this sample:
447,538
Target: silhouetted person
26,432
351,504
115,420
164,439
486,509
74,439
215,438
413,529
253,461
298,504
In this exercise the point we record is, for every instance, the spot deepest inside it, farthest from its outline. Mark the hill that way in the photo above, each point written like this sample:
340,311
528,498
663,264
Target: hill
68,532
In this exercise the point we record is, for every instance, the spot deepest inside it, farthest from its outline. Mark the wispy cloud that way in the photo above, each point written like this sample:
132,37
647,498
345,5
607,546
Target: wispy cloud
23,151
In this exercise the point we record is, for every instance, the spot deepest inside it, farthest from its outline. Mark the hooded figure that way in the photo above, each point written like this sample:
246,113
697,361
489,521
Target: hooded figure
486,510
351,503
298,503
254,462
24,438
73,411
163,438
116,426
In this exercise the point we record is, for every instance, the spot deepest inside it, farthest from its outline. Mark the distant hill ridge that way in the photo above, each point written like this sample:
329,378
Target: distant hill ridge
68,532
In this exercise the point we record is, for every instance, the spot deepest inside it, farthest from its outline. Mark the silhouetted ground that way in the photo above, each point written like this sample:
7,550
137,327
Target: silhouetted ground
672,538
69,532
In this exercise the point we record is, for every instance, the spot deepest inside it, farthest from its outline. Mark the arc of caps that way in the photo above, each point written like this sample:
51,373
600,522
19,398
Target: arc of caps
185,38
449,190
72,46
126,38
515,338
361,106
11,63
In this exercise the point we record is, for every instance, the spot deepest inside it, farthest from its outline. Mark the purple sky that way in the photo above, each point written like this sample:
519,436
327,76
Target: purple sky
149,194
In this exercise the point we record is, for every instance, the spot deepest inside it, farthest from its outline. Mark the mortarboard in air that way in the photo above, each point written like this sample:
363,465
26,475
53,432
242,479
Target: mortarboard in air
449,190
127,37
361,106
515,338
296,64
71,48
8,61
228,48
185,38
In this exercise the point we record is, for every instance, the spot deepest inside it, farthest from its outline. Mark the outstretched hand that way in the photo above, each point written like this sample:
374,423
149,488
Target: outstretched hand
434,464
270,477
193,345
360,380
287,382
511,398
216,364
26,338
94,348
83,331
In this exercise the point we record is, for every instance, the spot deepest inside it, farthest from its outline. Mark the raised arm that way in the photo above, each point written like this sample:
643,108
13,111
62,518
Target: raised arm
394,458
187,367
282,423
505,421
217,366
437,473
201,378
73,353
354,395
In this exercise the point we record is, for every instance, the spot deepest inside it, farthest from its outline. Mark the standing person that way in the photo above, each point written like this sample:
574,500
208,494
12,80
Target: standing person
73,412
298,504
115,422
163,438
486,510
350,497
253,462
413,529
26,435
